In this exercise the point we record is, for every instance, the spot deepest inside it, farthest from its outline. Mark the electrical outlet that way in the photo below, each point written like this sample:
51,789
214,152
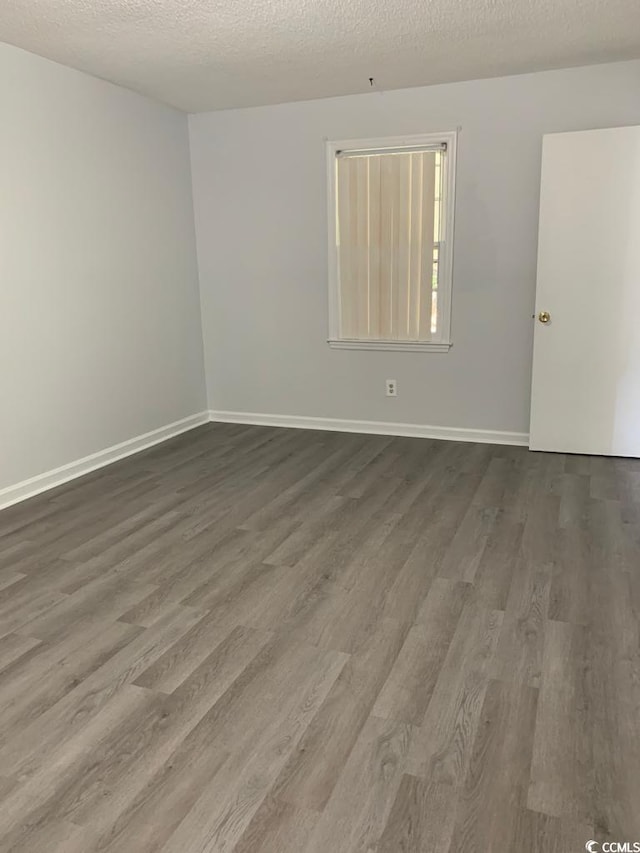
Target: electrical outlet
391,388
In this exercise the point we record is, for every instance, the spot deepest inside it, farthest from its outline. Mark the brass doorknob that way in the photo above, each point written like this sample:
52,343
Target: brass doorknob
544,316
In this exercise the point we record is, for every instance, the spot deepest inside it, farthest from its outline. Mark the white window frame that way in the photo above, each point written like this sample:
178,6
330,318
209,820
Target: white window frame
441,342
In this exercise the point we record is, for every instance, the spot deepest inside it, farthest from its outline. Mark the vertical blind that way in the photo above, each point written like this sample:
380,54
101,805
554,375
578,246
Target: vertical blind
388,234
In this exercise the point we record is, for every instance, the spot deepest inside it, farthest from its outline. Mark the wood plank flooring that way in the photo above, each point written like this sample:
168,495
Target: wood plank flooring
274,641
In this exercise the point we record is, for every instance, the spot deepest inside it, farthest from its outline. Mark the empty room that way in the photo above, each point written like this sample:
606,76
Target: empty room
319,426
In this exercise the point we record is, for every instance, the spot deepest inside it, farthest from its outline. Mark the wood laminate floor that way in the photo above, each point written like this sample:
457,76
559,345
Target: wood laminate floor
273,641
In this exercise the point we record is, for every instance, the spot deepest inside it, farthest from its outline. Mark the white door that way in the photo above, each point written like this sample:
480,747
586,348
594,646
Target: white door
585,395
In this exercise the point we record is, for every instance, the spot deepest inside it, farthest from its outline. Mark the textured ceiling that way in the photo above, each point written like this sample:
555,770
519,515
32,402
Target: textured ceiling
207,54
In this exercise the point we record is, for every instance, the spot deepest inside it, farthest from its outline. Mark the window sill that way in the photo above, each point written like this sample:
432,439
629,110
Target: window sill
398,346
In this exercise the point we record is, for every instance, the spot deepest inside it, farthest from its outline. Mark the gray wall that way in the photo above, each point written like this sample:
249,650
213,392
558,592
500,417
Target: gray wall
259,192
100,335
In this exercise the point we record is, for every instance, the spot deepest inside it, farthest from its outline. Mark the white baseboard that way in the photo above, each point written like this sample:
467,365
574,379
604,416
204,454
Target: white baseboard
484,436
58,476
50,479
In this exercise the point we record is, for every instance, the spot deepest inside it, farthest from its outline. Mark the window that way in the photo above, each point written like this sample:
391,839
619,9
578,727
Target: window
390,242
